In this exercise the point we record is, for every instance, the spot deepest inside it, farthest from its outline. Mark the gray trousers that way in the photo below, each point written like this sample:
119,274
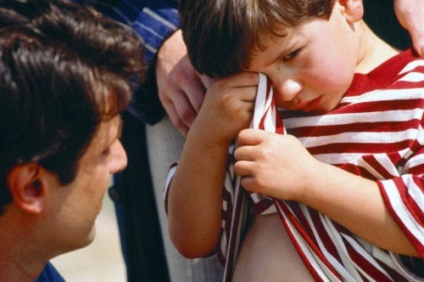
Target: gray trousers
164,145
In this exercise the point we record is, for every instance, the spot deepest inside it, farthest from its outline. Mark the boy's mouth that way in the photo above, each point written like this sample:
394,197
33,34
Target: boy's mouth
309,105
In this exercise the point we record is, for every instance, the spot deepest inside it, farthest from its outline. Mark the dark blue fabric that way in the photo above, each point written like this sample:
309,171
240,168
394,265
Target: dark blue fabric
153,20
50,274
135,204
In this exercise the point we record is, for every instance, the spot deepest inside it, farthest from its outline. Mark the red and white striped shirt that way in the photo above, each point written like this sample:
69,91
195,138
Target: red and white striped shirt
375,132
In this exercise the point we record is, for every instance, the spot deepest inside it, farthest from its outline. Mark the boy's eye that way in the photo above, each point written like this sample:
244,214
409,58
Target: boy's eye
291,55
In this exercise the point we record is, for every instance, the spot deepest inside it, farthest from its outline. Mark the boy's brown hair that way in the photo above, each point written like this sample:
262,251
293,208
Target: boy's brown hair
222,34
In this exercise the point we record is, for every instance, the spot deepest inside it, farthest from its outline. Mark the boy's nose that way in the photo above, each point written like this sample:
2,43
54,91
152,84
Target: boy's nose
118,159
288,89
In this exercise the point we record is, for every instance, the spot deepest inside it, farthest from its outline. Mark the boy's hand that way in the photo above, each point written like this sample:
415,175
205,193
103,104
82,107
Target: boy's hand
275,165
227,108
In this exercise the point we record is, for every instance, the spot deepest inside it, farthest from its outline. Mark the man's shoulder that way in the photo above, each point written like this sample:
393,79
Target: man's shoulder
50,274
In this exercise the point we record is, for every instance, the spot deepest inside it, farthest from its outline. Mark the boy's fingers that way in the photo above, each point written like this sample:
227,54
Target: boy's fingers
250,137
244,79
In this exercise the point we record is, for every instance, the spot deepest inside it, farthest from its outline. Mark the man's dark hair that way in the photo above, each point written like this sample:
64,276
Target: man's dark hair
222,34
64,69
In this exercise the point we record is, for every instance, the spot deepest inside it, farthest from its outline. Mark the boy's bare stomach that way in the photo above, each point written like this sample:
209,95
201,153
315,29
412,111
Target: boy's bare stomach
267,254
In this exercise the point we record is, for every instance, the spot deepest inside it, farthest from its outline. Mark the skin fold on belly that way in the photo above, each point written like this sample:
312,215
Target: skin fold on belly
267,254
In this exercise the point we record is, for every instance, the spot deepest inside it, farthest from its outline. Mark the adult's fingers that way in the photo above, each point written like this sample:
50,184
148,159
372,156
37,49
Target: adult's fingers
206,80
185,111
194,90
418,42
410,14
174,117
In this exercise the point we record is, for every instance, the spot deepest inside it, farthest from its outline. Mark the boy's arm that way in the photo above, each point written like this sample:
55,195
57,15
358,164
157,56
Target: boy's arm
195,197
195,194
357,204
352,201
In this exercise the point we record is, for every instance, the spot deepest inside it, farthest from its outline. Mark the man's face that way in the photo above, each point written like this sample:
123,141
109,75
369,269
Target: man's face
75,206
312,65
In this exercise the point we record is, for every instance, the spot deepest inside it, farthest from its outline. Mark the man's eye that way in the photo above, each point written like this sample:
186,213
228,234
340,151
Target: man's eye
291,55
106,152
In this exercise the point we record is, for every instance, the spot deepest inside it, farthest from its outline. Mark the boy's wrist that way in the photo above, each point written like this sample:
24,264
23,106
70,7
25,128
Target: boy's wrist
315,184
211,134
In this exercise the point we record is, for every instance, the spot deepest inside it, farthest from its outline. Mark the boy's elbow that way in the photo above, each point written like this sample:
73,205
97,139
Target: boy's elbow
192,252
192,248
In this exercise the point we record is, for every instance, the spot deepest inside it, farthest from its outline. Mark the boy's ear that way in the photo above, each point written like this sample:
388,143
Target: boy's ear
28,187
354,10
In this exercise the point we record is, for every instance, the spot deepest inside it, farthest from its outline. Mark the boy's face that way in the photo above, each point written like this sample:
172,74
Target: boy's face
312,65
75,206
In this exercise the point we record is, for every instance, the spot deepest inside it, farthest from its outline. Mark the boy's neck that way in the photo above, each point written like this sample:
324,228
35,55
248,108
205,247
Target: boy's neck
373,51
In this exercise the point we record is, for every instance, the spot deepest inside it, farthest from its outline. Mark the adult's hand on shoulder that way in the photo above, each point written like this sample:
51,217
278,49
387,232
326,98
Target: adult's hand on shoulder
410,14
181,88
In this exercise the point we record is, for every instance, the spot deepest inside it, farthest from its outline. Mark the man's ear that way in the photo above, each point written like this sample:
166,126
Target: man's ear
27,187
354,10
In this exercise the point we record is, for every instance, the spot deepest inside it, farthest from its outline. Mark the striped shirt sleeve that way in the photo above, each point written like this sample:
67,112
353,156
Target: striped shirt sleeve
404,197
